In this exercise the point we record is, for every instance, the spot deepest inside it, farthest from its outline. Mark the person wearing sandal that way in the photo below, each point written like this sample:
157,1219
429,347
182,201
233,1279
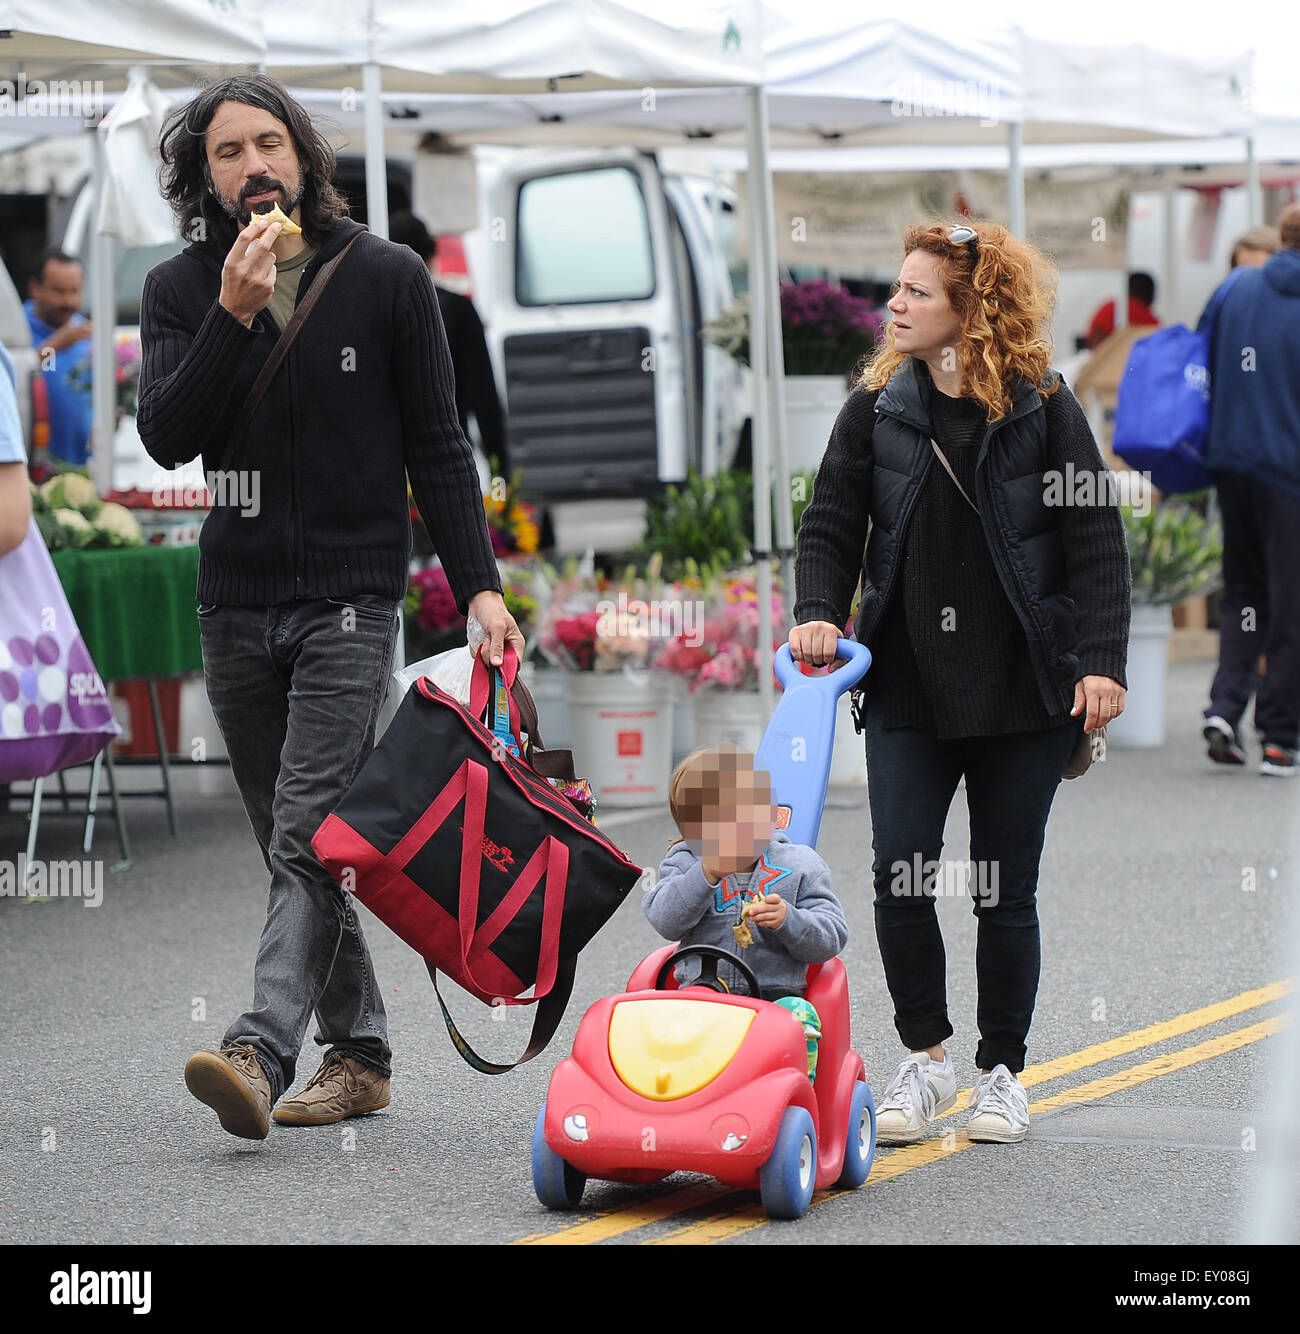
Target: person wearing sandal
995,600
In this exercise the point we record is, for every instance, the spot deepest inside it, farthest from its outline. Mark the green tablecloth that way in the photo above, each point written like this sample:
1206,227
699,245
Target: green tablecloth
135,608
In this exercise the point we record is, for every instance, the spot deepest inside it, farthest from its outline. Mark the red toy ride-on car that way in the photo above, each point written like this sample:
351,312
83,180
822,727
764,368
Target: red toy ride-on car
665,1079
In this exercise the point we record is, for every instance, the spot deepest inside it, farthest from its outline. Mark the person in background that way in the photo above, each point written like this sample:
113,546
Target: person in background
1141,297
1254,458
476,386
1253,248
61,336
15,497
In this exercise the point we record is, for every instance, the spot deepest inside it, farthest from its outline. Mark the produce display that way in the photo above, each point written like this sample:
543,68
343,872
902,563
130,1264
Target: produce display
69,513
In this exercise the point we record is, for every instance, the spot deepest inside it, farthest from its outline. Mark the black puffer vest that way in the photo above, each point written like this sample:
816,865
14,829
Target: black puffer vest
1023,533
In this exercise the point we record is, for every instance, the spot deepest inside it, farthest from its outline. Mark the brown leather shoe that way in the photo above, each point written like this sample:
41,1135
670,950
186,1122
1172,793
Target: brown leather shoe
232,1082
342,1087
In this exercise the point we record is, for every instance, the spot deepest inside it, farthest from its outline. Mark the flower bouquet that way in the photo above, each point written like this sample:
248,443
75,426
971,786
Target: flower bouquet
597,623
433,624
723,650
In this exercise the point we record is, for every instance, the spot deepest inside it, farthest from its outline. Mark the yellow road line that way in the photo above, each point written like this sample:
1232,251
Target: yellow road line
1142,1037
913,1156
639,1214
628,1219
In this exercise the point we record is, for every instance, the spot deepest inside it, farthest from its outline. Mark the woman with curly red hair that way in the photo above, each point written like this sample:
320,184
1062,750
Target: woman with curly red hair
995,600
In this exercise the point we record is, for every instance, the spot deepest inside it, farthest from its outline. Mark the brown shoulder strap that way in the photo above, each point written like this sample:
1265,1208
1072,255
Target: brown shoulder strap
279,352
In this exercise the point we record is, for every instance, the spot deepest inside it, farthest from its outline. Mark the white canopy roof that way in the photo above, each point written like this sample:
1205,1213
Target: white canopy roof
71,33
516,45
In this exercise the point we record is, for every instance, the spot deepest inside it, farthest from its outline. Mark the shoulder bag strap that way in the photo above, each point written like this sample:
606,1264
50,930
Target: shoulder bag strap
947,467
549,1013
279,352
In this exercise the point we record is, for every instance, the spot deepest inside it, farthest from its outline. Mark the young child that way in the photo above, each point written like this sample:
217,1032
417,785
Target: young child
731,880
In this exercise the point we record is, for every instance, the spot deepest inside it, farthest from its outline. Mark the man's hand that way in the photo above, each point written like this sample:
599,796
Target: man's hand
1104,698
489,609
248,274
66,336
769,912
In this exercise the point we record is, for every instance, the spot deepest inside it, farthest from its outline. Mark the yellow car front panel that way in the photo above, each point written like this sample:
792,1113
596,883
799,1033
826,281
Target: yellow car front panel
665,1049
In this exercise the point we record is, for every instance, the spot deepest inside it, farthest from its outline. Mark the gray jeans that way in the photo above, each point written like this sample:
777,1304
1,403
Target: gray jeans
296,690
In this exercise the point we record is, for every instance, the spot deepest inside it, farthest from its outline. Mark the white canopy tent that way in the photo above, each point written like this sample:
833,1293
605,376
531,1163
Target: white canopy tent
832,79
76,51
521,47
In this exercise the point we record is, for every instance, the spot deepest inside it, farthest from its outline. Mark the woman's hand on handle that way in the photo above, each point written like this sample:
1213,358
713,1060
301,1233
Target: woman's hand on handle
815,642
1103,697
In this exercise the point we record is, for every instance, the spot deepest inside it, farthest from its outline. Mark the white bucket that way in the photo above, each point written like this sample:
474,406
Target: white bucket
683,718
728,715
1143,721
546,685
812,403
621,732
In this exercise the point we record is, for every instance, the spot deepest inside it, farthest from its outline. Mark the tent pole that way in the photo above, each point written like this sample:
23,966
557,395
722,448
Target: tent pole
760,314
1015,179
779,445
1170,268
103,316
1254,191
376,166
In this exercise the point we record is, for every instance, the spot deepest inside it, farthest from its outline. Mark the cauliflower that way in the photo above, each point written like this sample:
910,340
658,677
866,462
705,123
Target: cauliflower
72,491
76,527
116,526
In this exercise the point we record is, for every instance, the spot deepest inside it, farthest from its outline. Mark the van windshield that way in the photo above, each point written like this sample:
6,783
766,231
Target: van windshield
583,236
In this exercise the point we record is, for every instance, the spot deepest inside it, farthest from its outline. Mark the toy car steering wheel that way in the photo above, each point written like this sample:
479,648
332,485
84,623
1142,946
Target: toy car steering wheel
709,957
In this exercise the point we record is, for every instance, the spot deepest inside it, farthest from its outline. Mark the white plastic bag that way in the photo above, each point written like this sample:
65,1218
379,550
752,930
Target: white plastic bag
449,671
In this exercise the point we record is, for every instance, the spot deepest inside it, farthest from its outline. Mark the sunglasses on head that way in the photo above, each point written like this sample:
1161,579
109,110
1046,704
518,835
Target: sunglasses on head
964,235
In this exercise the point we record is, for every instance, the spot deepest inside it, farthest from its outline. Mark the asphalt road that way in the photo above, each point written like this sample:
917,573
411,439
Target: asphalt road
1154,1138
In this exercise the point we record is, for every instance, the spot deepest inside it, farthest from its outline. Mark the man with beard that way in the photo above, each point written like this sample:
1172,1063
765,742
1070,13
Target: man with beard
303,558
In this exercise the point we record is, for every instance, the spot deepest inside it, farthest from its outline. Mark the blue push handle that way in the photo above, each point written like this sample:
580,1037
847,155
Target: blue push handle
838,681
796,747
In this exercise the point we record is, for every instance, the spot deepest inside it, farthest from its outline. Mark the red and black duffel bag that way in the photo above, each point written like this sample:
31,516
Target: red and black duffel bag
451,837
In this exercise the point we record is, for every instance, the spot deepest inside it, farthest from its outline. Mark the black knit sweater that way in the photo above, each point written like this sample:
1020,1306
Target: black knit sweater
949,651
363,400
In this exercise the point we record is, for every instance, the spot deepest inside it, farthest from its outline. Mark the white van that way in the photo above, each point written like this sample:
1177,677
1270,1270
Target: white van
593,273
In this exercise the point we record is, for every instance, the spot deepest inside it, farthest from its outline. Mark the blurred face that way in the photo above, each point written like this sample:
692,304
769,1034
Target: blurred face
252,161
924,320
57,294
1249,256
731,814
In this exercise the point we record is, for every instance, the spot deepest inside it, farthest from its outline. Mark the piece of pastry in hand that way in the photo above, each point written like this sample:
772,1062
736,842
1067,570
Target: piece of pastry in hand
287,225
743,932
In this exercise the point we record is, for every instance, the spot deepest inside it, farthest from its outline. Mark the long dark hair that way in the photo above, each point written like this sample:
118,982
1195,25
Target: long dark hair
183,176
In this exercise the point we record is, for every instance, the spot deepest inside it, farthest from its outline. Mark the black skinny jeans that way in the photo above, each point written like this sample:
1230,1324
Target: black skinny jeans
1010,783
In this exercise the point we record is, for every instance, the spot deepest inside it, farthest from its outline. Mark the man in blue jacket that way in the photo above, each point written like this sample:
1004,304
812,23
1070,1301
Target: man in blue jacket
1254,455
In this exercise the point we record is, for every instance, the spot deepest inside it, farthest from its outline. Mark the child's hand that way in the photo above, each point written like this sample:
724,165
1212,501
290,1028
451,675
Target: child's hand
769,912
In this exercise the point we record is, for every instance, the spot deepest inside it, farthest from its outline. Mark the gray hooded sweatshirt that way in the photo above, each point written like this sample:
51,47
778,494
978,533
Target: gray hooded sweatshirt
683,906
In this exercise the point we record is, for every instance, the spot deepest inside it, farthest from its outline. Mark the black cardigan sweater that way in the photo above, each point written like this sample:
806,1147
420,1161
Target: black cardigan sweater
365,397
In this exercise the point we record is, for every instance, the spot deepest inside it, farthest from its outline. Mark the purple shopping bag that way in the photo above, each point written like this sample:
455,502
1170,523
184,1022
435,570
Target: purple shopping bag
54,710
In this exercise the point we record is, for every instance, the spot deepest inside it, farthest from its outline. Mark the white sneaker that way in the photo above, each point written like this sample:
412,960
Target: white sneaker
913,1098
1001,1114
